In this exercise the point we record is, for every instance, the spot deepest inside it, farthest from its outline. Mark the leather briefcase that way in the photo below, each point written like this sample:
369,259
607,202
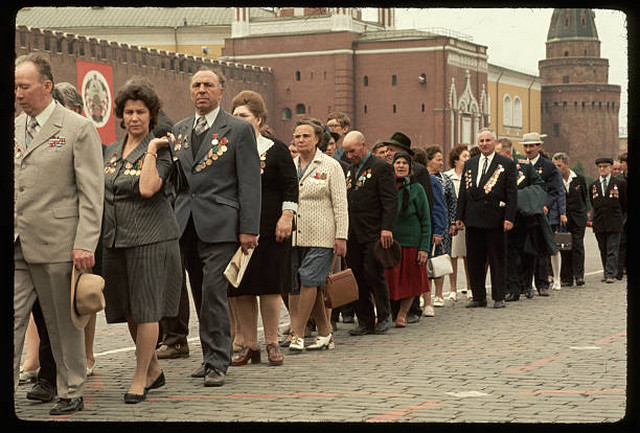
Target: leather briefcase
341,287
563,240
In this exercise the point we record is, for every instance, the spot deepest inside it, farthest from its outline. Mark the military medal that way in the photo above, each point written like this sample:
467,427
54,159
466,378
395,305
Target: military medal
263,161
127,168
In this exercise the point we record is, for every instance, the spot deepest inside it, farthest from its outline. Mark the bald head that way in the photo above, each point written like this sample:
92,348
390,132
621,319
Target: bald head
355,146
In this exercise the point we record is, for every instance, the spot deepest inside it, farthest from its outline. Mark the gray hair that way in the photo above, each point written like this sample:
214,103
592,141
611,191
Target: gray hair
67,95
487,129
561,156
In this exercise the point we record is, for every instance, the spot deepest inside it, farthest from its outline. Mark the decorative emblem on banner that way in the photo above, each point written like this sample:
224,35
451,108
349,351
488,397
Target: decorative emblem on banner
97,98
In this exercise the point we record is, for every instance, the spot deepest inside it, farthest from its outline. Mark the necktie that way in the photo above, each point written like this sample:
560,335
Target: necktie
603,180
484,166
31,130
201,125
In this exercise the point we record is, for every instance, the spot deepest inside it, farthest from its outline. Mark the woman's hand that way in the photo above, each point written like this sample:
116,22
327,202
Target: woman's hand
284,226
157,143
340,247
422,257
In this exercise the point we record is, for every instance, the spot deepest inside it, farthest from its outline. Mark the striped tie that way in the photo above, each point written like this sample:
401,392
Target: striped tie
201,125
32,130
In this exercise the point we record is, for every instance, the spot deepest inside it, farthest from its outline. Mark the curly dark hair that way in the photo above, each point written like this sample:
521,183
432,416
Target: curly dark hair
138,92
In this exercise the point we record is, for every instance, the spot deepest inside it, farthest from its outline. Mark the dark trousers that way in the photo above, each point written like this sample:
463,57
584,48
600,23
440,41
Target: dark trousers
520,265
609,245
487,245
174,330
210,260
573,260
370,279
47,363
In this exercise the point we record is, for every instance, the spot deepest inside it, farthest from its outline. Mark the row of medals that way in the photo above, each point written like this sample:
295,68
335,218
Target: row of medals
129,168
215,151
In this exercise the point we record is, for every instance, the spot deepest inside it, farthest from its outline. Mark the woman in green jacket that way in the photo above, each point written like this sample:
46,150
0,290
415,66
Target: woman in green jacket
412,231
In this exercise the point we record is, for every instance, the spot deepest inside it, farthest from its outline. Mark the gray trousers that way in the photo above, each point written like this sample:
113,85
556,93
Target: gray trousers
609,245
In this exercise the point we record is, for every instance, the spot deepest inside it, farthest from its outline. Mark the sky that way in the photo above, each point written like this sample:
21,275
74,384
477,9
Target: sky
516,37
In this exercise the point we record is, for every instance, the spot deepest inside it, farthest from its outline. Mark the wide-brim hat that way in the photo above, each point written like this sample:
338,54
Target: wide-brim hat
532,138
387,258
86,296
400,140
604,160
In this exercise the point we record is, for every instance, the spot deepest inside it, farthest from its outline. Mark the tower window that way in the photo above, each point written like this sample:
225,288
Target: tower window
297,75
300,109
394,80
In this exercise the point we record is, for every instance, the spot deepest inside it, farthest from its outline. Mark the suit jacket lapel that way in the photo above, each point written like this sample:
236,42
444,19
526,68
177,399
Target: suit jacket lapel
48,130
185,154
139,150
490,169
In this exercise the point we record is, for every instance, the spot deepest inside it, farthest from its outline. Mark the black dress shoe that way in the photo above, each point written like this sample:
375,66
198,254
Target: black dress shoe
413,318
65,406
159,382
529,292
579,282
510,297
130,398
361,330
383,326
43,391
499,304
476,304
214,377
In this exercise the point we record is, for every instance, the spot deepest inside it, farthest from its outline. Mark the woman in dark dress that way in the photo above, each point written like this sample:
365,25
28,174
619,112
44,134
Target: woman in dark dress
141,256
268,274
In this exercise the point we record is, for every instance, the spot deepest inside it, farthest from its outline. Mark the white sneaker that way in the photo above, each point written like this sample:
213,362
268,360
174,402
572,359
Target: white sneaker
320,343
438,301
453,296
428,311
297,344
555,285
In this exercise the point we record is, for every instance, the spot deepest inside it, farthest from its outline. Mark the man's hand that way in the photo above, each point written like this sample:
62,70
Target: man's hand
247,242
508,225
83,259
386,238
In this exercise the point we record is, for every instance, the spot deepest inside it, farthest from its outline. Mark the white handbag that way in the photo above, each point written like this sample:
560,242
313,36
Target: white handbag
237,266
439,266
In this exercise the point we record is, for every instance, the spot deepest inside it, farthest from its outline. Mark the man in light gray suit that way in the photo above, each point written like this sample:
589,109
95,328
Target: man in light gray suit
220,211
58,196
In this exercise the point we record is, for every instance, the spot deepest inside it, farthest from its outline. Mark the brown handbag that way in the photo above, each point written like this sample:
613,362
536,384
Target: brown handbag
341,287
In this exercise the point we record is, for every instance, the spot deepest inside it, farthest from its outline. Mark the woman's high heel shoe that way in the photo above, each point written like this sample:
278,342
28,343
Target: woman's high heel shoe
247,354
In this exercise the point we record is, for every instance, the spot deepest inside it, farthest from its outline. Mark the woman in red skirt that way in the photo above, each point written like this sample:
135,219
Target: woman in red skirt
412,231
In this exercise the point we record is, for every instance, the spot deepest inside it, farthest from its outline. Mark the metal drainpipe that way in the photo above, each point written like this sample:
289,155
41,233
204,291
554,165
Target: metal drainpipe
175,38
498,105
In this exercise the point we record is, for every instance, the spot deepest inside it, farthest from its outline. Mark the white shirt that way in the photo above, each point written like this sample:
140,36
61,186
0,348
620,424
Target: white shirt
602,187
535,160
210,116
43,116
489,159
572,175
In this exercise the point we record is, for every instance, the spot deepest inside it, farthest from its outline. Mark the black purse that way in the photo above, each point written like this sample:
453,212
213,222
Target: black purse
177,178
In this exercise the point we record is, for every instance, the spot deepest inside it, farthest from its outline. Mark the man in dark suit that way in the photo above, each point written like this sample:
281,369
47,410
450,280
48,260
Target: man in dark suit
486,209
576,192
608,195
220,211
373,201
555,207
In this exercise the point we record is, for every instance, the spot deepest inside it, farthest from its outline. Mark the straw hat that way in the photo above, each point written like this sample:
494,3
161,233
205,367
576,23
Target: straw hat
86,296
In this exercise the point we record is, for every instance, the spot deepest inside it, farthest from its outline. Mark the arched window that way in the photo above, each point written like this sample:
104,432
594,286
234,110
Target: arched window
297,75
365,80
507,118
301,109
286,113
517,111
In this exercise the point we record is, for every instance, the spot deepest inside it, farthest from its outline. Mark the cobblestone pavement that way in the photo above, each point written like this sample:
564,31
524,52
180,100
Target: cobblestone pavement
561,359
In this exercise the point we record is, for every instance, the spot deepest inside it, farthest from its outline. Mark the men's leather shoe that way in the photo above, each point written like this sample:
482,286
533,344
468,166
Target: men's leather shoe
499,304
529,292
43,391
383,326
510,297
214,377
199,372
544,291
476,304
65,406
173,351
361,330
610,280
579,282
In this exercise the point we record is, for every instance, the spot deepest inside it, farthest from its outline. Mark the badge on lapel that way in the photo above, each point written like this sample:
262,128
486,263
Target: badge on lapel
110,166
57,142
217,149
613,192
493,180
348,180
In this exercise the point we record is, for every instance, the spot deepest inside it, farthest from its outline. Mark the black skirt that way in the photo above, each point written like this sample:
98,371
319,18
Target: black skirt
269,270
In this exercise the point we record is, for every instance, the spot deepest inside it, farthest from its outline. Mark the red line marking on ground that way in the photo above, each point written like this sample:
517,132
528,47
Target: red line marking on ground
612,338
394,415
577,391
270,396
535,364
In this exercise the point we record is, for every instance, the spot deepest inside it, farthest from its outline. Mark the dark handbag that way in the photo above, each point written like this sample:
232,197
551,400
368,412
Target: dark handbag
341,287
177,178
563,240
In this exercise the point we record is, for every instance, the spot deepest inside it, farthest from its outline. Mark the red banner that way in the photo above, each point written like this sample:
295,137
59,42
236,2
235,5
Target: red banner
95,84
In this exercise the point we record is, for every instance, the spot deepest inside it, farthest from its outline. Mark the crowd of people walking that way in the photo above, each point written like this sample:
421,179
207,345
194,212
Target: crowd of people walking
133,225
